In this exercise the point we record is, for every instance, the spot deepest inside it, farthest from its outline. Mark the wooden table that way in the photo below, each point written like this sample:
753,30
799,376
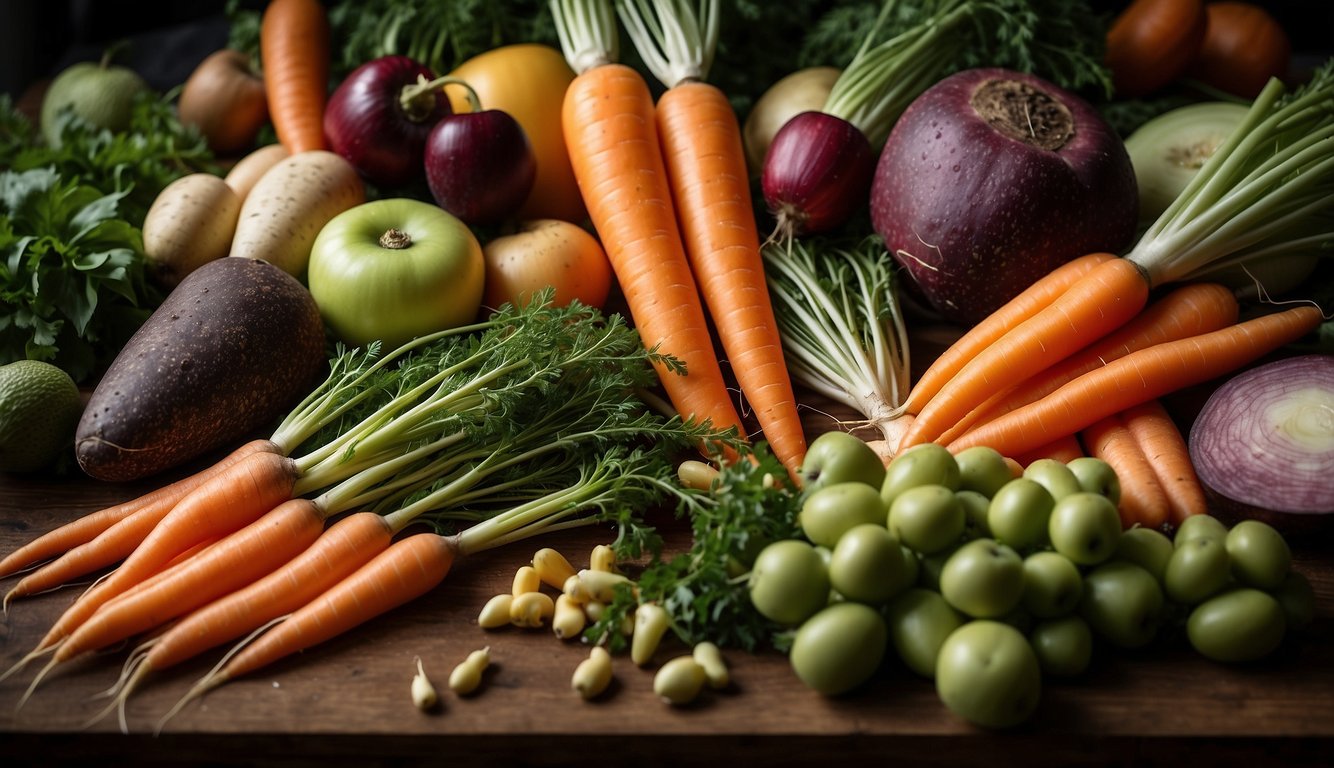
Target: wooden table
348,703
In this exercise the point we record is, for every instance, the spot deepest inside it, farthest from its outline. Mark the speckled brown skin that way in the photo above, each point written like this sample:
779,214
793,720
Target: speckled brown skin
974,216
234,346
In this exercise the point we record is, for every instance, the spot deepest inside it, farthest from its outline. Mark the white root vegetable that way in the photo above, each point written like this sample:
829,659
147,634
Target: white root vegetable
569,619
291,203
680,680
531,609
248,170
651,622
496,613
525,580
423,692
710,657
191,222
552,567
602,559
467,676
593,674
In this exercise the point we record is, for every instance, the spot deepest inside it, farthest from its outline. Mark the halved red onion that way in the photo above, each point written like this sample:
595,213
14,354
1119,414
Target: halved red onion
1263,445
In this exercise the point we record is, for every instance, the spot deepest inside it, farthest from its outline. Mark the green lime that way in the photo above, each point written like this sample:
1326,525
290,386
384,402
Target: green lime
39,411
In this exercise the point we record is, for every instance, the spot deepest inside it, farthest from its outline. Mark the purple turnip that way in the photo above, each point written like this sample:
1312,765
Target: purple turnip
992,178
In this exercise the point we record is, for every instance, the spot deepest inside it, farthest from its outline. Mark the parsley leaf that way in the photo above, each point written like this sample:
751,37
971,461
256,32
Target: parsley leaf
704,589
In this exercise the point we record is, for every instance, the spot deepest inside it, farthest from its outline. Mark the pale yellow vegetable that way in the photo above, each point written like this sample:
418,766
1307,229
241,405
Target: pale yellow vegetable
423,692
552,567
651,622
290,204
242,177
603,558
191,222
600,585
569,619
465,677
680,680
593,674
574,588
531,609
525,580
696,475
710,657
594,609
496,612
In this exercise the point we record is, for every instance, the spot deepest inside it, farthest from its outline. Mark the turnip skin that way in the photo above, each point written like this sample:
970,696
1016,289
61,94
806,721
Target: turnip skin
234,346
975,216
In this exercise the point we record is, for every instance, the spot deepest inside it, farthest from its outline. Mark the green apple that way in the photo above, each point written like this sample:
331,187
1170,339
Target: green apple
1084,527
1064,645
1242,624
983,578
975,509
1053,585
1123,603
394,269
1196,526
868,565
830,511
839,648
919,620
789,581
838,457
982,469
1259,555
1019,513
928,518
1059,480
988,674
922,464
1096,476
1146,547
1197,570
100,93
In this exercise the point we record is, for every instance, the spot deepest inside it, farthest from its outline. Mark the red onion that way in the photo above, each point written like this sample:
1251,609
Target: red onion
1263,445
817,173
379,117
480,165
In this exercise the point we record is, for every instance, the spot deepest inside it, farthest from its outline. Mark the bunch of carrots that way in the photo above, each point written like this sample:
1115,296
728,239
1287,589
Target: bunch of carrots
1091,345
668,191
525,423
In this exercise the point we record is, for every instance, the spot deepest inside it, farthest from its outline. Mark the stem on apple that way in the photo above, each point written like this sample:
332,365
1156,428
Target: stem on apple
416,98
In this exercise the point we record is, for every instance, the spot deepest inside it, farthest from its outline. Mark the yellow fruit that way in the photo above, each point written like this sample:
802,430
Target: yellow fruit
39,410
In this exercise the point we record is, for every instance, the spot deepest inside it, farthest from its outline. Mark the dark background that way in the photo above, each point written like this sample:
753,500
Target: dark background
38,38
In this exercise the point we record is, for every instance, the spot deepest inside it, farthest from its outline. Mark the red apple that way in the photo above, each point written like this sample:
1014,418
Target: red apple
991,179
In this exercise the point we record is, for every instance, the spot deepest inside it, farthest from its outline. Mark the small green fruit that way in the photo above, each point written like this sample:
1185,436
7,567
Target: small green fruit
99,93
39,410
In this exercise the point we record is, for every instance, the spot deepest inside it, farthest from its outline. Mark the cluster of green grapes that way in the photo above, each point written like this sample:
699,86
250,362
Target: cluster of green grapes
985,581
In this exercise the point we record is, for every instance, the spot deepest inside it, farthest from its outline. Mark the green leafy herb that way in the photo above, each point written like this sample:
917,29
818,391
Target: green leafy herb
71,272
704,589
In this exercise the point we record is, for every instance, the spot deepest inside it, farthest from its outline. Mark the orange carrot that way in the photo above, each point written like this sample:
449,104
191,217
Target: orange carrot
294,54
235,561
1101,301
1188,311
102,538
224,503
609,123
1036,297
706,163
1139,377
1169,456
1064,448
1142,498
344,547
406,570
